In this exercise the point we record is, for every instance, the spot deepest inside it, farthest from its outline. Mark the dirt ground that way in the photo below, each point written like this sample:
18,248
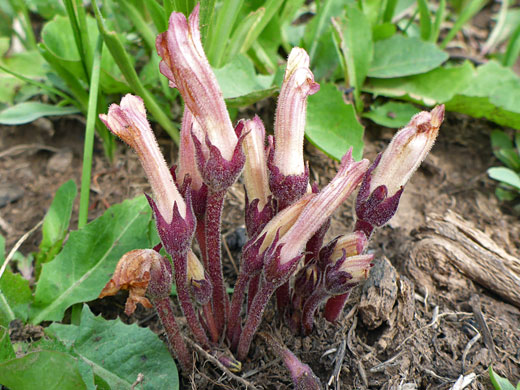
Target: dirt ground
424,318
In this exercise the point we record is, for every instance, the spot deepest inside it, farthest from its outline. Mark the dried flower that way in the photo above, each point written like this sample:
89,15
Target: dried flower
128,121
138,271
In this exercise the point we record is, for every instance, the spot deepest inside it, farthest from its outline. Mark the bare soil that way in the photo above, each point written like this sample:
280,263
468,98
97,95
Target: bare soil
420,322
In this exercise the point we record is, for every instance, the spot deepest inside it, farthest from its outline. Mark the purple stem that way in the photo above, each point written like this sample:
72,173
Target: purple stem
309,308
254,317
164,309
236,305
215,202
334,307
252,290
187,305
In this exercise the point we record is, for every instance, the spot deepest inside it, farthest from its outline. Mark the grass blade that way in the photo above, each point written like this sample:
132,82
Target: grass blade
425,23
497,30
88,147
467,13
513,49
220,35
439,19
120,55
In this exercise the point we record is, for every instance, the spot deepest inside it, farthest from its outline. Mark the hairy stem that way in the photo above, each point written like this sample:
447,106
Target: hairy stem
334,307
252,290
309,308
164,310
254,317
187,305
213,219
236,305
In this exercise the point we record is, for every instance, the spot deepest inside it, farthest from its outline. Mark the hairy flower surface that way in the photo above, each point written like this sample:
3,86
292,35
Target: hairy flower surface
186,66
407,150
321,207
289,126
128,121
256,178
187,156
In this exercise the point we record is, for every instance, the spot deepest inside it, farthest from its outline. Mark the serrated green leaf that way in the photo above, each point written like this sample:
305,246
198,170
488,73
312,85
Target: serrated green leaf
505,175
118,352
29,111
89,257
6,348
332,125
400,56
15,296
41,370
392,114
437,86
241,85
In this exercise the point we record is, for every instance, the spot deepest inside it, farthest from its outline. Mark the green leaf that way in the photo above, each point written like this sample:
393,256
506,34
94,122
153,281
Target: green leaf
505,175
57,219
332,125
118,352
493,94
29,111
6,348
240,84
392,114
498,382
89,257
436,86
356,44
42,370
404,56
15,296
29,64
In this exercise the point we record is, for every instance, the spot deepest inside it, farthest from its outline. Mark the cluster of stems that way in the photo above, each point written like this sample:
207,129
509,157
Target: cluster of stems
286,217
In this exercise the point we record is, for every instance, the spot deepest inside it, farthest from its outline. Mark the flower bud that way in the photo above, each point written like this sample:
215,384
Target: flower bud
353,244
347,273
289,126
140,271
187,156
198,279
380,192
321,207
407,150
128,121
186,66
256,178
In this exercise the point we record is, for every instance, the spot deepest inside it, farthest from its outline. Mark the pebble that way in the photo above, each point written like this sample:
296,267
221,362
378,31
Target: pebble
61,161
9,193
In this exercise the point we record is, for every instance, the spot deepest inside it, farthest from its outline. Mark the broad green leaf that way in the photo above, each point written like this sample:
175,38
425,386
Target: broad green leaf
493,94
400,56
500,140
6,348
118,352
332,125
9,85
355,36
89,257
29,111
56,224
57,219
15,296
42,370
392,114
29,64
436,86
505,175
241,85
498,382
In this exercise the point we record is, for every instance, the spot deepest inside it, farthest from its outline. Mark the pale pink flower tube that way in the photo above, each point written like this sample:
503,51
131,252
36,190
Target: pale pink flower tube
128,121
186,66
289,126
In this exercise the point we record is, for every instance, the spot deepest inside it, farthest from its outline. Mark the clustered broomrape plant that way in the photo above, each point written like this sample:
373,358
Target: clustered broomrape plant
286,217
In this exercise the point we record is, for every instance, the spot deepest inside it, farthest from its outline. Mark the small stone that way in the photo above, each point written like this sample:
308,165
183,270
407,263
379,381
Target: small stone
9,193
60,161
